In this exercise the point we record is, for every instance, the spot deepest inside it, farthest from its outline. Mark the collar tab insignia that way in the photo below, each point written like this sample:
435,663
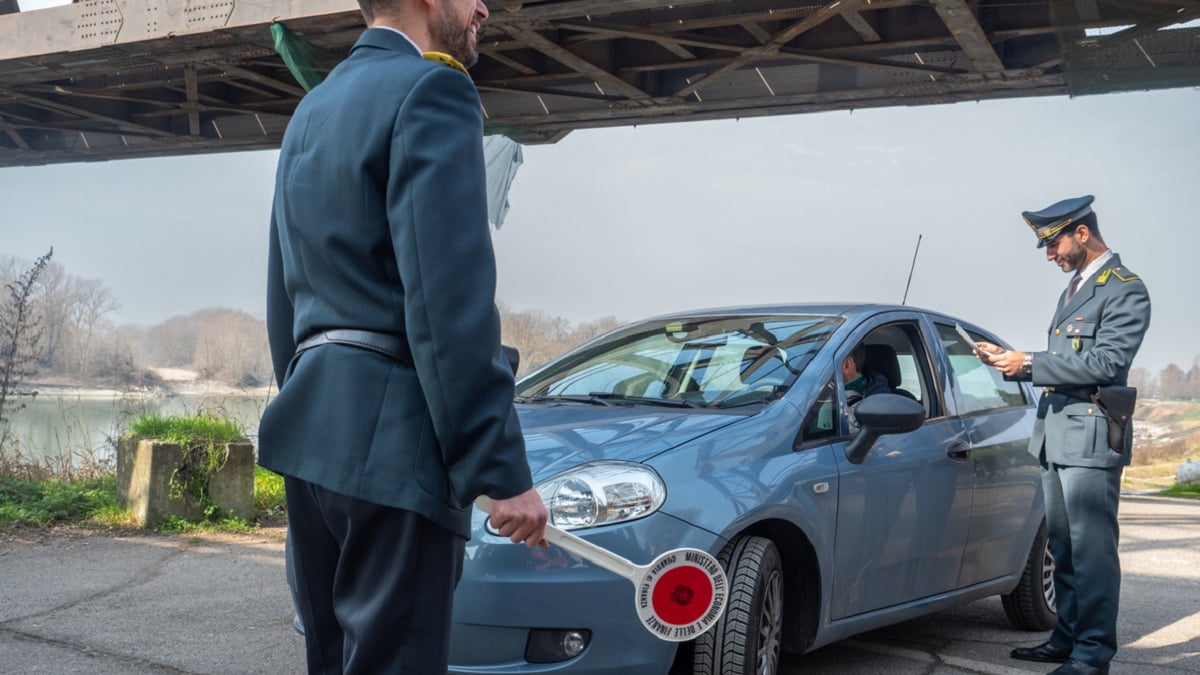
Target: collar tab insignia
446,59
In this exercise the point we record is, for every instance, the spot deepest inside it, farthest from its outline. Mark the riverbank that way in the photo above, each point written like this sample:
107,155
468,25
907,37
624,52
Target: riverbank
175,382
78,424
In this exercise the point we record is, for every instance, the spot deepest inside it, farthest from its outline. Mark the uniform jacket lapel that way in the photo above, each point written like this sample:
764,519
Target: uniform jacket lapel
1085,293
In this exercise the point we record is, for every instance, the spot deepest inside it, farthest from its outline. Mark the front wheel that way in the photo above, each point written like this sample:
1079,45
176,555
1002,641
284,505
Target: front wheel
1031,605
746,640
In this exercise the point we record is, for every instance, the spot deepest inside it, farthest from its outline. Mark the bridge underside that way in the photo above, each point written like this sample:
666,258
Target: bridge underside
107,79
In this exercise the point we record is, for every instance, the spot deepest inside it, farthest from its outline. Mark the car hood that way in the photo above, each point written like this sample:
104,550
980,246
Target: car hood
559,437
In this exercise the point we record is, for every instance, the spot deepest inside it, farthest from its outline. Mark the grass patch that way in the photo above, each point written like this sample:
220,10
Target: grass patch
268,492
1177,490
53,502
92,502
205,427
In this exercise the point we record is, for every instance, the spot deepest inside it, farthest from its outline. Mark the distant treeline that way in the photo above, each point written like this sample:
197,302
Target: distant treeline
73,338
1170,383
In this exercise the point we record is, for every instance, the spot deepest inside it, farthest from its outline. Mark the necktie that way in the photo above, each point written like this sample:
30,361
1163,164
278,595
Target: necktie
1072,288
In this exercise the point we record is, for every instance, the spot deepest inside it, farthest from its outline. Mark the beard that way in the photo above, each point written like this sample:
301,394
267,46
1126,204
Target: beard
1075,257
457,40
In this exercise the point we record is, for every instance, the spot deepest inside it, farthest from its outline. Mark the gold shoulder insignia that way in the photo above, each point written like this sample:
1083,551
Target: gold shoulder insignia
1118,273
446,59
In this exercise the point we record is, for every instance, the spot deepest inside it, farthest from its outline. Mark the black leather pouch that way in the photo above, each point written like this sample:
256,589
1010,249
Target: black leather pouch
1117,404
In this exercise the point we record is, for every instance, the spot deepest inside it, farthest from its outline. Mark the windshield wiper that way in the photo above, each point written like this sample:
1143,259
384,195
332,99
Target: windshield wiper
647,400
568,398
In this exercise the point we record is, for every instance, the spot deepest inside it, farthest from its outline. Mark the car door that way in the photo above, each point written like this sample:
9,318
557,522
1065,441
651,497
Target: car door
903,514
997,416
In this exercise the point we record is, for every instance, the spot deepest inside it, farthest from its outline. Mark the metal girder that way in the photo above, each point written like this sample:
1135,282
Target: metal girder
12,133
772,46
965,28
579,64
104,79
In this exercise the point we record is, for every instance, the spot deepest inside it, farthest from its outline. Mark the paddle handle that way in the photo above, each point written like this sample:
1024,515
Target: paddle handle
601,557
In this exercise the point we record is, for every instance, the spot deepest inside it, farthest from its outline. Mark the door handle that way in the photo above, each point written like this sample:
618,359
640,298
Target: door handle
959,451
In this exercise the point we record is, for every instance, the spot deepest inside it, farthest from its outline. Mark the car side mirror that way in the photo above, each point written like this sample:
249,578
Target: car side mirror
879,415
513,356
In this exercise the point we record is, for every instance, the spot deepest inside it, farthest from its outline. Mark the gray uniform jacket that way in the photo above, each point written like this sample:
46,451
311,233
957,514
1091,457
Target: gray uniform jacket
1092,342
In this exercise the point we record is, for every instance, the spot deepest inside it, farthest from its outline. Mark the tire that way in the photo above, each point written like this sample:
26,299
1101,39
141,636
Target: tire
747,639
1031,605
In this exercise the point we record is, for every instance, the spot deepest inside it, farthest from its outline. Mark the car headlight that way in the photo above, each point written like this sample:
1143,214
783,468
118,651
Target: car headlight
602,493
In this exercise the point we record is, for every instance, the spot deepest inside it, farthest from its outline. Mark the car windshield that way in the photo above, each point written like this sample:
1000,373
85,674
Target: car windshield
704,362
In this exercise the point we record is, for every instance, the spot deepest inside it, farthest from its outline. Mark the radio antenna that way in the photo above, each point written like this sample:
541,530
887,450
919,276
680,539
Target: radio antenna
910,270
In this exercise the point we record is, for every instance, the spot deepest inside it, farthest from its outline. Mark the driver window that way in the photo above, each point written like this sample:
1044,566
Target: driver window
980,387
894,361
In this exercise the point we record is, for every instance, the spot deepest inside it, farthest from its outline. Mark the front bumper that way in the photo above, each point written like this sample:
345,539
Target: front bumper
508,589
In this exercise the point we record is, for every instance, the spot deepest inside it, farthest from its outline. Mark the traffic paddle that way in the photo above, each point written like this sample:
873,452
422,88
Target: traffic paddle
678,596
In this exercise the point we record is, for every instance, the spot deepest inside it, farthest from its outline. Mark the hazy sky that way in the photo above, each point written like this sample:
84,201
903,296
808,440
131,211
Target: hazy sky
636,221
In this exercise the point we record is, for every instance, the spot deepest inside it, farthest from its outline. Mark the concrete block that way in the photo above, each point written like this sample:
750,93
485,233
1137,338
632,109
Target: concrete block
144,470
233,486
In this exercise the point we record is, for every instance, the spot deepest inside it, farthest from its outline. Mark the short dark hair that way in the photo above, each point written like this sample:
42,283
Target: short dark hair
860,357
369,7
1092,223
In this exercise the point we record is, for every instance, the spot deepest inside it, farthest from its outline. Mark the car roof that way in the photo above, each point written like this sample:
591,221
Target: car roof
849,310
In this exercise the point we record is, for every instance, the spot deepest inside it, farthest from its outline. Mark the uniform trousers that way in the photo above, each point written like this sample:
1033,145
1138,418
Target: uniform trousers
374,584
1081,520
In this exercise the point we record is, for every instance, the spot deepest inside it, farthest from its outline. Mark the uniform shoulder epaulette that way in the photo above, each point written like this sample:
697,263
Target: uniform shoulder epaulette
1119,273
446,59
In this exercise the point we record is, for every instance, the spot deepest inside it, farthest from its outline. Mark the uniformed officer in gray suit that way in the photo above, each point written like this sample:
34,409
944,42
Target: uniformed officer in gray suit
1096,331
395,409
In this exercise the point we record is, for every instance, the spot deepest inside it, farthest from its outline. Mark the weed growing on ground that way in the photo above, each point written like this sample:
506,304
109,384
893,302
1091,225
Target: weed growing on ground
52,502
1178,490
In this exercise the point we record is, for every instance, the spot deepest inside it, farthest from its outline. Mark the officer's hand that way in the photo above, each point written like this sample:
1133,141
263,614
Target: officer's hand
521,518
1007,362
984,349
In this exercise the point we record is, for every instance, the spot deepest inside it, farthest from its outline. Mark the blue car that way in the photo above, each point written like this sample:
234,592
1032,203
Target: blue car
728,431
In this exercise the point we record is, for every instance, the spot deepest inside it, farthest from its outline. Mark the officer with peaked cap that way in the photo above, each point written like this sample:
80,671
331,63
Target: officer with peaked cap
1097,328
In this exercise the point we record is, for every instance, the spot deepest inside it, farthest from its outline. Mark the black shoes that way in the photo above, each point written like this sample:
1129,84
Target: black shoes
1073,667
1043,653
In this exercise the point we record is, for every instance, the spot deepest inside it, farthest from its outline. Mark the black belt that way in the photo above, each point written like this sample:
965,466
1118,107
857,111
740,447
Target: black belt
1081,393
392,346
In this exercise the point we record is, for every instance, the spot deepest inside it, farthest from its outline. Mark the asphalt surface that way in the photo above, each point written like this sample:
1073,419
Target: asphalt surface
73,602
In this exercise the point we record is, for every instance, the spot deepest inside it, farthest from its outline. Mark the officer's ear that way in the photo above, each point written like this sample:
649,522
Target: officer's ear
1082,234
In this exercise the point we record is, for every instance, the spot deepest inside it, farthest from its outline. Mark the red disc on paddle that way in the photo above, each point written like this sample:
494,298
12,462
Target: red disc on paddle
682,595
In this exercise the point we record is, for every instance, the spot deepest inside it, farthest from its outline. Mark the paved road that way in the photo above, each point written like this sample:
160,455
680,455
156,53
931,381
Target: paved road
96,604
1159,629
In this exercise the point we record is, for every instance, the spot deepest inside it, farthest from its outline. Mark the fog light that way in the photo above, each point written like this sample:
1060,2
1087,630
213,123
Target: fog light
552,646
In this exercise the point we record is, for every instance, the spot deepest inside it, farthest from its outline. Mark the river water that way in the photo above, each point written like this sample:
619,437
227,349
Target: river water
62,423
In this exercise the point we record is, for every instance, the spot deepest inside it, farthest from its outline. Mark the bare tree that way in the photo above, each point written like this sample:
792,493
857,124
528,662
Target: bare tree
19,335
1171,382
1144,382
541,337
537,335
172,343
1191,383
232,346
92,300
56,297
590,329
